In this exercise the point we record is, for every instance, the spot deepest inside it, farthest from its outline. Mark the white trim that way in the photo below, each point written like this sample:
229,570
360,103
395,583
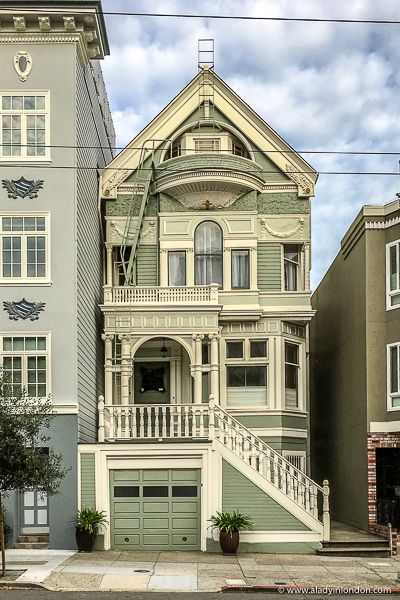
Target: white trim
65,409
384,426
391,293
279,432
30,281
26,112
390,407
256,537
382,224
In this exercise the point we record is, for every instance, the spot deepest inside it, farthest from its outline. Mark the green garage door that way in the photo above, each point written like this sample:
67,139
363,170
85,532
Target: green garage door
155,509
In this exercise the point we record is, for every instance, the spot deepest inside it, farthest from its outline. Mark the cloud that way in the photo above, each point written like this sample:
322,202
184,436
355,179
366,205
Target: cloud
322,86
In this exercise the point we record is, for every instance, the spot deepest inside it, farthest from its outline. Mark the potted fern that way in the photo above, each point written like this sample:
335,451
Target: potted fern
230,524
88,521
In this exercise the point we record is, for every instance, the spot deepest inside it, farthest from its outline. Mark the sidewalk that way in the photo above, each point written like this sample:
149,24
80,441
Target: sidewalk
195,571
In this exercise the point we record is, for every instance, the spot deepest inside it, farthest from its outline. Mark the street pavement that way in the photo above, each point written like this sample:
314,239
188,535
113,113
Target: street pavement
137,571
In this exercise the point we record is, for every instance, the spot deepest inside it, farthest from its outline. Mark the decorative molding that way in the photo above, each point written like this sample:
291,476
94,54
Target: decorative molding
48,38
114,181
19,23
304,184
148,235
69,23
23,310
107,337
281,234
23,64
22,187
382,224
44,23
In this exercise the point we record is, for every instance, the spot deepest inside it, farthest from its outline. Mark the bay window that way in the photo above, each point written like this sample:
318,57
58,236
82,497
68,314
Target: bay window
292,375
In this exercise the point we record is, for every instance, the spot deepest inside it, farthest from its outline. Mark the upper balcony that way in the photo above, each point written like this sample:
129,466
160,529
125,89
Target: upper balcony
204,295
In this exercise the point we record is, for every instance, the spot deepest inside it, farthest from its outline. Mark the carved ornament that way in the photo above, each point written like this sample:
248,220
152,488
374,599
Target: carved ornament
22,187
23,310
304,184
281,234
23,64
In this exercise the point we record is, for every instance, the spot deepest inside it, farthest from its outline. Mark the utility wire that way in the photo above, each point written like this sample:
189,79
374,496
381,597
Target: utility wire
228,17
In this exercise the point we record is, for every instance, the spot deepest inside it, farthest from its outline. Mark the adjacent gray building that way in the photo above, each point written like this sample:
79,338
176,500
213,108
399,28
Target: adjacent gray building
56,132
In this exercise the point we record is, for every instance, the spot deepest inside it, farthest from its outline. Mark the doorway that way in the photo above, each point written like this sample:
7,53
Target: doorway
388,486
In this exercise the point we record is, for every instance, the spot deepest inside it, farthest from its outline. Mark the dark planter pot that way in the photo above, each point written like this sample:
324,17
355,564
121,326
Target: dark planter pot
85,540
229,542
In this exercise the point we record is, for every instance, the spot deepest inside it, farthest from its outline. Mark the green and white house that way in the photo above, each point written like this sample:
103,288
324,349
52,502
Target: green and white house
206,310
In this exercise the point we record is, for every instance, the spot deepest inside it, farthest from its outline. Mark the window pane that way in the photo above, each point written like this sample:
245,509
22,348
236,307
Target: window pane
291,267
205,354
184,491
208,238
40,102
393,267
234,349
30,343
17,102
292,353
155,491
256,376
41,343
240,269
6,103
18,344
29,102
126,491
258,349
208,269
236,377
394,370
177,268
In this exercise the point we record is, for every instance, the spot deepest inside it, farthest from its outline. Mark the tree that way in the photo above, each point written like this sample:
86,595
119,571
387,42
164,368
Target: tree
25,460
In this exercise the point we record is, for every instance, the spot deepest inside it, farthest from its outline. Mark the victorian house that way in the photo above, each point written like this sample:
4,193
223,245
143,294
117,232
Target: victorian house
206,310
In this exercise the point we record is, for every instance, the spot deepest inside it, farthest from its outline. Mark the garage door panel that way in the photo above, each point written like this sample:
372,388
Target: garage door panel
133,539
185,523
126,475
126,507
184,507
127,523
155,507
185,475
155,475
156,539
156,523
191,540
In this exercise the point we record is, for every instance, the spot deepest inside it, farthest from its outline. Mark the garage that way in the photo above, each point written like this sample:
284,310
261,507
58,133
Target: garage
155,509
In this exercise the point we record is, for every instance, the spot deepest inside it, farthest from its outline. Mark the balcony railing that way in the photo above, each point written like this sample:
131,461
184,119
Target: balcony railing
199,294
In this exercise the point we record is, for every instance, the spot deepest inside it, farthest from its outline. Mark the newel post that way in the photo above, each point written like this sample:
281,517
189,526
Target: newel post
211,417
101,418
214,293
326,518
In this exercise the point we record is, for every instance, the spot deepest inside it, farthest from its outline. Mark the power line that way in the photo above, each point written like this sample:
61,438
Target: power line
232,17
85,168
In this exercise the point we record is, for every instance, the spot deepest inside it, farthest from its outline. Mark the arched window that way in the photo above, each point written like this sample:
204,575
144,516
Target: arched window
208,254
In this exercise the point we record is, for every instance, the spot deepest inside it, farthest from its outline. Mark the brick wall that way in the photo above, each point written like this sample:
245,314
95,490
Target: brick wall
379,440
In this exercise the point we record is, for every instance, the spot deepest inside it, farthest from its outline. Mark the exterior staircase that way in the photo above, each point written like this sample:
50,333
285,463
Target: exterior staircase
266,468
32,542
349,541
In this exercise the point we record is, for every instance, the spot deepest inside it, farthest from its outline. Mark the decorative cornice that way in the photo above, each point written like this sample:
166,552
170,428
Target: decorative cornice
23,310
305,186
382,224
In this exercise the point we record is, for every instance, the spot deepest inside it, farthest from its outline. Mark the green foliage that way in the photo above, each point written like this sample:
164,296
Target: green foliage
231,521
90,519
24,424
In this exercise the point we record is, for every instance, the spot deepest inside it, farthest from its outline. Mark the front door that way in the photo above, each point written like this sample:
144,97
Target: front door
388,486
152,382
35,512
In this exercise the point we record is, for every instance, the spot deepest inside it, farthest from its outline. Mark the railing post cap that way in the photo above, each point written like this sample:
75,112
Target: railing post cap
325,482
211,400
101,399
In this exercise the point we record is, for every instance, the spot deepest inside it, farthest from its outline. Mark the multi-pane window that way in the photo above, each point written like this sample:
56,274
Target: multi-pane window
393,275
292,375
247,383
206,145
240,269
291,267
394,376
24,125
25,363
24,242
177,268
208,254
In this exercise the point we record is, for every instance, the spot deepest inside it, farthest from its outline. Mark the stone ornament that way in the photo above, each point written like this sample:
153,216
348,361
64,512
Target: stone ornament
23,310
23,64
282,234
22,187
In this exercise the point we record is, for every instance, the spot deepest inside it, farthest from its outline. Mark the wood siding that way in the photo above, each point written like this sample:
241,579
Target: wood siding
269,267
88,481
147,266
239,493
90,132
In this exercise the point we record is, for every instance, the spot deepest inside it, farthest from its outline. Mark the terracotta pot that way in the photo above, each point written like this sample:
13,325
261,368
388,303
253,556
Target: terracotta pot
85,540
229,542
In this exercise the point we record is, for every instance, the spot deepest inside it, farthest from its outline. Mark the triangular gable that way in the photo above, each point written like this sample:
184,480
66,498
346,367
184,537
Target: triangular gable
236,110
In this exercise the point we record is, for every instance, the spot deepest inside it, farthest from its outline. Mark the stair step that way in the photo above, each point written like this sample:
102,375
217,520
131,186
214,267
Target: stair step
354,543
33,538
381,551
31,545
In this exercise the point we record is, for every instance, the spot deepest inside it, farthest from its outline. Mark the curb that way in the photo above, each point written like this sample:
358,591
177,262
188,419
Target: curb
21,585
297,589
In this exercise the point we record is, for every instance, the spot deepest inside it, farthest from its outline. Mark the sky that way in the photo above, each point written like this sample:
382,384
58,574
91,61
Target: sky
321,86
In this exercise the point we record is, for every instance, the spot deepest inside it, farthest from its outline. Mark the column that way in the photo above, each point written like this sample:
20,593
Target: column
198,338
108,367
109,274
214,365
126,367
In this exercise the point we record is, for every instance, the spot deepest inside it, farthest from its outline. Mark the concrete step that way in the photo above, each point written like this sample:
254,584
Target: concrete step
355,543
375,551
26,539
31,546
